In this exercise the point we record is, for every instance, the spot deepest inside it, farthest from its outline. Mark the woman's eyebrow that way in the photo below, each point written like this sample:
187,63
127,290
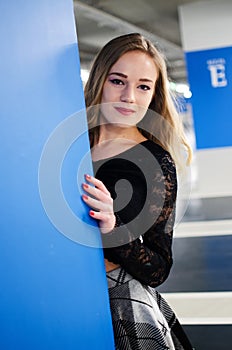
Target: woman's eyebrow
125,76
119,74
146,80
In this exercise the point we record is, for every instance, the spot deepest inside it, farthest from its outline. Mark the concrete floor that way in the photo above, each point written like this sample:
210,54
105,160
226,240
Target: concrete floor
199,287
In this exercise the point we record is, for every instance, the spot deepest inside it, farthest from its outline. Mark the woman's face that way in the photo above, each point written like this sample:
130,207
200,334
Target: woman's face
129,88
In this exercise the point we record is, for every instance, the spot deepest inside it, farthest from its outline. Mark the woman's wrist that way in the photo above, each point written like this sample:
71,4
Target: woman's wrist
107,227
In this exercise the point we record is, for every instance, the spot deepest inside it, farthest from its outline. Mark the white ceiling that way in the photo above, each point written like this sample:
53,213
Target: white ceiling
98,21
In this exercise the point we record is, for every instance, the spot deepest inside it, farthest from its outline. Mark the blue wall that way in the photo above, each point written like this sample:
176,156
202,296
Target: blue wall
53,292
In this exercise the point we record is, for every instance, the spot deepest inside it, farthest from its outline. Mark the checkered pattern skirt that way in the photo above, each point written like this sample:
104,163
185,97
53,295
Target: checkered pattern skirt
142,319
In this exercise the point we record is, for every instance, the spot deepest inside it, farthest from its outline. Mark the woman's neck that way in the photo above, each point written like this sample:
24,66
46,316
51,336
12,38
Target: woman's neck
115,140
109,132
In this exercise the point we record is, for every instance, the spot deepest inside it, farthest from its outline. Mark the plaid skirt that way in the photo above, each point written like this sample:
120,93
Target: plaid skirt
142,319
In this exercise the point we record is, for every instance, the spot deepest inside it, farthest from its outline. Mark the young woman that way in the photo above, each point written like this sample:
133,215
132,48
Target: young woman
137,143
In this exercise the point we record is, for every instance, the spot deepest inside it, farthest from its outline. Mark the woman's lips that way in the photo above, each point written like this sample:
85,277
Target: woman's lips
125,111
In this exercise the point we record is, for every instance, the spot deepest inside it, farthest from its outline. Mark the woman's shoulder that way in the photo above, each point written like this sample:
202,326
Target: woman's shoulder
156,149
162,156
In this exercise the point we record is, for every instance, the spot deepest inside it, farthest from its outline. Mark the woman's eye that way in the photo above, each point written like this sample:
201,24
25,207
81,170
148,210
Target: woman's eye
145,87
116,81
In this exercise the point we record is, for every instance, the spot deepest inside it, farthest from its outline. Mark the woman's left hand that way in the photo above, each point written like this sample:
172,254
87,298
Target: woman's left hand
99,199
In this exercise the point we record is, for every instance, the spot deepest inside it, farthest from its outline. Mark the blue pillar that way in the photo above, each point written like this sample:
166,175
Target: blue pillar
53,290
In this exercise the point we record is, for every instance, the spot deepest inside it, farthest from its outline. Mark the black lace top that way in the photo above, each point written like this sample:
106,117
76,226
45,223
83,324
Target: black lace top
142,181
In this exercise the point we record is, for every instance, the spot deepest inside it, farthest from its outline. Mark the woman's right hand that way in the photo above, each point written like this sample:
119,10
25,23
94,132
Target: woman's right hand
99,199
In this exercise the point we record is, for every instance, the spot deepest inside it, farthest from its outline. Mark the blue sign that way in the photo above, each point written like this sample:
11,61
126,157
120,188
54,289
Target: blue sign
210,79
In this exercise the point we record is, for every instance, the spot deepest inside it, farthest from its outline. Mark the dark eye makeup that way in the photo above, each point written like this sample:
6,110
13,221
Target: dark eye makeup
116,81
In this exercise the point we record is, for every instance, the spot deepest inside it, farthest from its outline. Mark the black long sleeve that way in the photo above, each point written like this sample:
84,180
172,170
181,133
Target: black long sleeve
143,184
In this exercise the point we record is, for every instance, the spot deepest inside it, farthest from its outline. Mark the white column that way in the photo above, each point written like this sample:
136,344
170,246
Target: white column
206,29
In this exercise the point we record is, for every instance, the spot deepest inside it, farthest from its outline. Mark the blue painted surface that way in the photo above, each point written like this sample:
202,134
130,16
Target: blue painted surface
53,292
211,96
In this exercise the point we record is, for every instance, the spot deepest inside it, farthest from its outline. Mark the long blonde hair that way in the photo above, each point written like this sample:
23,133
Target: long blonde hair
161,123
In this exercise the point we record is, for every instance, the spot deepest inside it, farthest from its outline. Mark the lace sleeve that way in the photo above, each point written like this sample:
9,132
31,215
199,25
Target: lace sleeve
149,257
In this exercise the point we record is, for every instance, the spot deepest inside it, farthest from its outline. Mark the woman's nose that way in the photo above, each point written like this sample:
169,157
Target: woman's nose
128,95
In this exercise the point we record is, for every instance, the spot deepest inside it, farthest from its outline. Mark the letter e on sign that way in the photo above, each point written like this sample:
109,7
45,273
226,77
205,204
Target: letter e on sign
217,72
